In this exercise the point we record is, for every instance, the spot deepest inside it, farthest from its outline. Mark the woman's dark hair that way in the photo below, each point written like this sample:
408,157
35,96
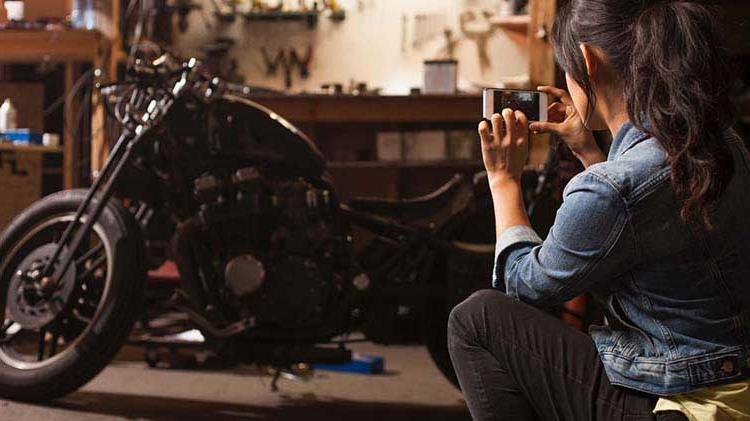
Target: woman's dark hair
676,75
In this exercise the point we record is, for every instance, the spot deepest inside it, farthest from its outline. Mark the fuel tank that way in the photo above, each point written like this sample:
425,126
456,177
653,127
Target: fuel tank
268,135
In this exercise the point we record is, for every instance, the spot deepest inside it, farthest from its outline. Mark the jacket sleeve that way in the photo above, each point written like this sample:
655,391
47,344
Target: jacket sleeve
590,243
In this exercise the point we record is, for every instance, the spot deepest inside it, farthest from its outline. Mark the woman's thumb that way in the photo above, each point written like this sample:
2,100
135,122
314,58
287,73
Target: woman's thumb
543,127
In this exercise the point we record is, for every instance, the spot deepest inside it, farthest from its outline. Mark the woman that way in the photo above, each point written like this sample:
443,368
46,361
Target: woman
656,229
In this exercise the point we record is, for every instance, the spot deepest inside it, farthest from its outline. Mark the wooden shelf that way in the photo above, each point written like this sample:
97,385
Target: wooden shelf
511,23
375,109
71,47
7,146
20,45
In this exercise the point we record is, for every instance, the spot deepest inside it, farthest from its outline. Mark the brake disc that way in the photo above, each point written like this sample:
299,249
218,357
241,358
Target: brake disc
26,304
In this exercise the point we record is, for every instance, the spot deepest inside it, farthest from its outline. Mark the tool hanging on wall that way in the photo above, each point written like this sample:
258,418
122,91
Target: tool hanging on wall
289,60
475,26
302,61
286,65
272,64
218,62
451,42
183,9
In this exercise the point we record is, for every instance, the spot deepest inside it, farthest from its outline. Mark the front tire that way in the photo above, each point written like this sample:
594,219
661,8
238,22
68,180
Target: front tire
103,292
459,274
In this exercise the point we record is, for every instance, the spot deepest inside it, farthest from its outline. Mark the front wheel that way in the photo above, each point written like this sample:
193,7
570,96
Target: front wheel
459,273
53,342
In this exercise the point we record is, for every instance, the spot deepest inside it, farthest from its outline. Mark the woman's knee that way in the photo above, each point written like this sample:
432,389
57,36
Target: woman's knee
466,318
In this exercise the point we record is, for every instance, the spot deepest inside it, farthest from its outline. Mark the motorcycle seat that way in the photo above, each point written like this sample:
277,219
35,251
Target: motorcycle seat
417,207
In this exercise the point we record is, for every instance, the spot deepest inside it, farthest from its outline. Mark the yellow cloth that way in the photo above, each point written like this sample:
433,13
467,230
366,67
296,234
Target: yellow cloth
721,403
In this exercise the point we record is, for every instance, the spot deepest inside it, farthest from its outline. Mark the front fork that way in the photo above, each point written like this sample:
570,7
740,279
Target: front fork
85,216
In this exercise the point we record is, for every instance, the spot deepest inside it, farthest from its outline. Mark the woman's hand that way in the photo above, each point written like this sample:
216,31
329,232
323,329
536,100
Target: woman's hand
565,122
505,145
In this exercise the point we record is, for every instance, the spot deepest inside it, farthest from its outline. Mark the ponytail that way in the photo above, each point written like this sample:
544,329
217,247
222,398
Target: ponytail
676,80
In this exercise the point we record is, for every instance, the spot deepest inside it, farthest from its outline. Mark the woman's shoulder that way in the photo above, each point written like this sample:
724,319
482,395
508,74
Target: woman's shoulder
641,170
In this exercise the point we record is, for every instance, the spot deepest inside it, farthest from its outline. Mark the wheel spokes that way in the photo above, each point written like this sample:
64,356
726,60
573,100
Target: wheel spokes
42,343
91,253
80,317
53,343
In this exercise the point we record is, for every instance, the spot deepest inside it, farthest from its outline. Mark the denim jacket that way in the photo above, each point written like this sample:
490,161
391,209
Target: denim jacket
676,297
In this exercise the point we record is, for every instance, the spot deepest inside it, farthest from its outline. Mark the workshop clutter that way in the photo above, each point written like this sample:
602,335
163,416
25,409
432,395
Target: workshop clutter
22,115
382,44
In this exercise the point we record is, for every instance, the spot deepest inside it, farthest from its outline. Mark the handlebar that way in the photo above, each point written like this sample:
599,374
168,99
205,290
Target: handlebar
150,89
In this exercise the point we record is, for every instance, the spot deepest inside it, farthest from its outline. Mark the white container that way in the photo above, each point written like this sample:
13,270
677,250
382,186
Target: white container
14,8
440,77
51,140
8,116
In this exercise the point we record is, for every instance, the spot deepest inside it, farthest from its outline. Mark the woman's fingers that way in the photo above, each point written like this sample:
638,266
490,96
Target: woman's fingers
522,128
558,107
509,118
485,133
498,128
558,93
544,127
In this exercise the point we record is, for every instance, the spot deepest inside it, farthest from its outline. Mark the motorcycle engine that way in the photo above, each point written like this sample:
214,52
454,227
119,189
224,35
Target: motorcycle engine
268,247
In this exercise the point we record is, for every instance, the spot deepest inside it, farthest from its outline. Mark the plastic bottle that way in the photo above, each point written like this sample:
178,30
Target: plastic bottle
8,116
83,14
77,14
92,7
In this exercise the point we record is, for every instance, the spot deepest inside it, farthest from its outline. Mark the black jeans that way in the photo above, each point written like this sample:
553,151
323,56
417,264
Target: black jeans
515,362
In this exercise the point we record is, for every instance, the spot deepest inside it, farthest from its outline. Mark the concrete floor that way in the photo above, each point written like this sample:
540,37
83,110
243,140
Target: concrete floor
411,389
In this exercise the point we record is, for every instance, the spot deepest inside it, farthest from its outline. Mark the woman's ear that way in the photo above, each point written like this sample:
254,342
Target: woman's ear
591,60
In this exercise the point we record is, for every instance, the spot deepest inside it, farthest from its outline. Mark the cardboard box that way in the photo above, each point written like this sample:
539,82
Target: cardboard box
25,176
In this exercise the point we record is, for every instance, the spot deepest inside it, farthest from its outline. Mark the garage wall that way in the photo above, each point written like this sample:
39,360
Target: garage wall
368,46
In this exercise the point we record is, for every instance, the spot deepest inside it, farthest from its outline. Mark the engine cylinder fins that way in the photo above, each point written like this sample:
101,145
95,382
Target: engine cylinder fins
207,188
248,177
244,275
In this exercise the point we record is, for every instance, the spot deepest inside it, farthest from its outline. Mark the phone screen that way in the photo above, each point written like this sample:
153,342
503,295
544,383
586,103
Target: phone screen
527,102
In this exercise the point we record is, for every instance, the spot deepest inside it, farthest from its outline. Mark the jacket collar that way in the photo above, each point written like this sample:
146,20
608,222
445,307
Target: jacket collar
626,138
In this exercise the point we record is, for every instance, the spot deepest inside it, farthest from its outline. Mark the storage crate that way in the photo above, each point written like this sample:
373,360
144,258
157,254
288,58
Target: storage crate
27,173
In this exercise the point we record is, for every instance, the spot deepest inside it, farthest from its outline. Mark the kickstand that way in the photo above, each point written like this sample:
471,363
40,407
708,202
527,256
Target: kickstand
275,381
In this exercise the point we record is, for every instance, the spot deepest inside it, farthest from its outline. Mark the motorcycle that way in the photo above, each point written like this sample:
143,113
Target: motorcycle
241,201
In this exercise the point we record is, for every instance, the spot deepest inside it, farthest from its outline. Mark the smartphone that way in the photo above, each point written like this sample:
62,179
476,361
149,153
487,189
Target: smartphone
531,103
